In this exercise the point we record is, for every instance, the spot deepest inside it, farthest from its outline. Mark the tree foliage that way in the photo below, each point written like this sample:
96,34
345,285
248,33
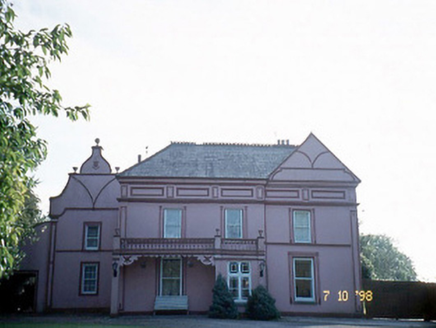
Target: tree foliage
261,305
24,71
381,260
223,306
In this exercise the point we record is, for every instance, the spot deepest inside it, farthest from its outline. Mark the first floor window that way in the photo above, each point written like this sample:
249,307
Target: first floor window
233,218
89,280
172,223
304,282
171,277
92,236
302,230
239,280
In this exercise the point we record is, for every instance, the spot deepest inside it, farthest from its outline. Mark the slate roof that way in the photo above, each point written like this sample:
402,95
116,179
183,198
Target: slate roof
190,160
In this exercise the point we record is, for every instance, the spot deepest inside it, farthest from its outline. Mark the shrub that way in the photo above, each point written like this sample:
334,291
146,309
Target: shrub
261,305
223,306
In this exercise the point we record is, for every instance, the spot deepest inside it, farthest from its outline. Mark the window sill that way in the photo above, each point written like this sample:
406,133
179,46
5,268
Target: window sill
304,302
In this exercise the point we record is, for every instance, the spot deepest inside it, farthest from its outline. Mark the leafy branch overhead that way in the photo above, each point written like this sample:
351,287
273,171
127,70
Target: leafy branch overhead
24,71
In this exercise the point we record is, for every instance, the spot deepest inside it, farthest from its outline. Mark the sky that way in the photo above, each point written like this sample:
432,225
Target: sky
360,75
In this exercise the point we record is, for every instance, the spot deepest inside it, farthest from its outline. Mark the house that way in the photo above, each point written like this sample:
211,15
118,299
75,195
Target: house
155,236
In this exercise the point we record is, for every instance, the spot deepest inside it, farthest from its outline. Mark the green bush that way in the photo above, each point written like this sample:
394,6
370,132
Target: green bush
261,305
223,306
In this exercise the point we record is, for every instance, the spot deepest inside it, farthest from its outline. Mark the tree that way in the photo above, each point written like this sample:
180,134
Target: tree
381,260
223,306
261,305
24,61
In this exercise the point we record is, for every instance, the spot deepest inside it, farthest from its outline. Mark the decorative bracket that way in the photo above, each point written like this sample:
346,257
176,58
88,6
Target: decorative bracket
127,259
206,259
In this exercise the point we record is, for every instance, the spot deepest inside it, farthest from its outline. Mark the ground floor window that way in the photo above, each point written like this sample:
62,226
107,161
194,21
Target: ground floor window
89,279
239,280
304,282
171,277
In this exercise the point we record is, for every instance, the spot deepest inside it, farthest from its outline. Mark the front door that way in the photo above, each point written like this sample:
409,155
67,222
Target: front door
171,277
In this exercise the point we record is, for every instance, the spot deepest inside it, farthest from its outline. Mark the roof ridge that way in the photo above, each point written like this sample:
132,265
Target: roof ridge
238,144
183,143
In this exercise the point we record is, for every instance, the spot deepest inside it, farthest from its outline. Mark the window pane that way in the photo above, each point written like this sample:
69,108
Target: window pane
234,286
92,236
89,278
303,288
233,223
92,243
245,283
171,269
303,268
233,267
170,278
172,223
245,267
302,235
93,231
170,287
302,228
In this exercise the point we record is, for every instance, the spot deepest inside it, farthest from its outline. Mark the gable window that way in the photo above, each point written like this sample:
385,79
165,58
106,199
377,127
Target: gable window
304,282
89,279
239,280
172,223
92,236
233,223
301,223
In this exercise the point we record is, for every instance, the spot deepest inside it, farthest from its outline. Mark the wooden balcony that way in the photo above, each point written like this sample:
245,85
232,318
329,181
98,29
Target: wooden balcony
189,246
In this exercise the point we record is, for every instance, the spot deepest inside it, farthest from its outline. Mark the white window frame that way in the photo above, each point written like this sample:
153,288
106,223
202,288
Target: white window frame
88,238
84,279
180,276
227,223
295,226
166,229
240,274
311,279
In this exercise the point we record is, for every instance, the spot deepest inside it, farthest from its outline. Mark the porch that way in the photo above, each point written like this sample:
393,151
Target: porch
170,270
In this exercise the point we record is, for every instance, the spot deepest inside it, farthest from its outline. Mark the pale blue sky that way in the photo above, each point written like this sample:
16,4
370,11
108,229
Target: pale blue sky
358,74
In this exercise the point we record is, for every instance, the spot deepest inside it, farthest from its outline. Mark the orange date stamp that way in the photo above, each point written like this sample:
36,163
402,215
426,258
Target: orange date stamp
344,295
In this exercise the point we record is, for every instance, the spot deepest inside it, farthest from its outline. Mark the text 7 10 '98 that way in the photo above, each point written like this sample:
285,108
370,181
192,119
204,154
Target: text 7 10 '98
343,295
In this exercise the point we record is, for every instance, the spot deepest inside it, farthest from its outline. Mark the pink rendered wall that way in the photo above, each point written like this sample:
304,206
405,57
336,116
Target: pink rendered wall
139,285
335,273
200,280
144,220
334,249
69,255
66,283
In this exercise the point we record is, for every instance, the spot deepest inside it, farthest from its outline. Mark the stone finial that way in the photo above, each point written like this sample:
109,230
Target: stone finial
75,169
96,164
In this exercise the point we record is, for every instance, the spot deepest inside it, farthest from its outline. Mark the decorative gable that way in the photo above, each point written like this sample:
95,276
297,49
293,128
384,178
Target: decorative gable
96,164
312,161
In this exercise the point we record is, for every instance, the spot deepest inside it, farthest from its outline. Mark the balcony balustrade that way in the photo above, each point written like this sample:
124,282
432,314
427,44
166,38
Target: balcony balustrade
186,246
